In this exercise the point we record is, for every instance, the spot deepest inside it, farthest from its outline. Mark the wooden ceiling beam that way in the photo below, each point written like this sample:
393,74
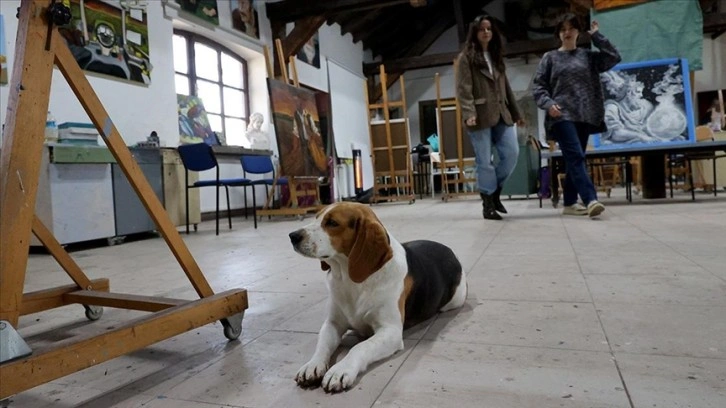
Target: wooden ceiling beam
293,10
434,60
443,19
362,21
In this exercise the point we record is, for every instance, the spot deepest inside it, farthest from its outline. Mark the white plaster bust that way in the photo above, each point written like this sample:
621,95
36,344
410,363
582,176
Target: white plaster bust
256,137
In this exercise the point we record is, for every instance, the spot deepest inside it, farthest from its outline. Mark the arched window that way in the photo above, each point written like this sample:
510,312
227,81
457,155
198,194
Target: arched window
218,77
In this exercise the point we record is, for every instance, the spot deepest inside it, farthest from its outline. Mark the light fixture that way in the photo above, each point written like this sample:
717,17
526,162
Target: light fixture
357,171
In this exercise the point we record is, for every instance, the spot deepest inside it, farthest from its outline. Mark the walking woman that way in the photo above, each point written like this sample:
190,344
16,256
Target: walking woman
567,87
489,111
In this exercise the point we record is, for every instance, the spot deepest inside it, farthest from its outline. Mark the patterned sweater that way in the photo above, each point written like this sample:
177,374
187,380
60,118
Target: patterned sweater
571,79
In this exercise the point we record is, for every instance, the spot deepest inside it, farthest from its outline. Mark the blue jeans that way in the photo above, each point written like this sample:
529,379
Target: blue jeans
572,138
504,139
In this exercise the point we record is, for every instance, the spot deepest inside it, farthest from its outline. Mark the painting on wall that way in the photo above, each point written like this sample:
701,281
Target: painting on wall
310,52
646,104
600,5
204,9
297,128
3,55
193,122
244,17
110,38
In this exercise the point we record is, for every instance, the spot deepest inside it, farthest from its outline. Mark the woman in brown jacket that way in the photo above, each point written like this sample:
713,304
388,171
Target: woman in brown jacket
489,111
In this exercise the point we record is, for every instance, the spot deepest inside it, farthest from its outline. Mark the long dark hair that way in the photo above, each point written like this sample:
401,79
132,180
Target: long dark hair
473,49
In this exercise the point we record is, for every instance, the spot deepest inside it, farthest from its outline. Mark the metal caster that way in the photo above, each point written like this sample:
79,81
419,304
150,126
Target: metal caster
93,313
233,326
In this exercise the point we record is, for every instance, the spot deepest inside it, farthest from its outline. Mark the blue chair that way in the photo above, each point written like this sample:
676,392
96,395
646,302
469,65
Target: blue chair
259,164
200,157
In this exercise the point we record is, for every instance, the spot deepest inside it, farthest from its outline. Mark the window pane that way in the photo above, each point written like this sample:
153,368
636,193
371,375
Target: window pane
232,72
211,96
215,122
234,102
235,131
205,62
182,84
180,54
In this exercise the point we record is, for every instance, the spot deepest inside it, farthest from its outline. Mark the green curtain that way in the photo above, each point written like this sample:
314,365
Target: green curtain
655,30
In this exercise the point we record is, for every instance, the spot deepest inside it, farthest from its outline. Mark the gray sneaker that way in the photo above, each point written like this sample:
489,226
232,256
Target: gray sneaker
594,208
575,209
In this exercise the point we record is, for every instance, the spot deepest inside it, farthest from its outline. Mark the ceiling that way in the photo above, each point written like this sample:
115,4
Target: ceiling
398,32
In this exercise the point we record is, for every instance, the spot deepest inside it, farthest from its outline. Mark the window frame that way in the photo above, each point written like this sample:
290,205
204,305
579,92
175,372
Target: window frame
192,78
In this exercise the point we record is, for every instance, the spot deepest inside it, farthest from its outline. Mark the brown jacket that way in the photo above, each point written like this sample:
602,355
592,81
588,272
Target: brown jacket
486,96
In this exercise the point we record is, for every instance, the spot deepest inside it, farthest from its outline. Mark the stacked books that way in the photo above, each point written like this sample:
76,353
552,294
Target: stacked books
78,134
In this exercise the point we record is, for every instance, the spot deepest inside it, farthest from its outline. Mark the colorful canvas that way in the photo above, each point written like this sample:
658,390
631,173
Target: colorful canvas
646,104
193,123
310,52
3,56
608,4
204,9
110,39
244,17
297,128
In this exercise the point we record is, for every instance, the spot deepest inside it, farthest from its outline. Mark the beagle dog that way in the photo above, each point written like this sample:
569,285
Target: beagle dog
377,287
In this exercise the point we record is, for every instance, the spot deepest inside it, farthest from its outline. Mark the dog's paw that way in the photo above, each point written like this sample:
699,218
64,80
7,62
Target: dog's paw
311,373
339,378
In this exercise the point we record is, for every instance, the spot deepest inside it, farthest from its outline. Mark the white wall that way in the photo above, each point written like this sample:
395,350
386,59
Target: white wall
136,110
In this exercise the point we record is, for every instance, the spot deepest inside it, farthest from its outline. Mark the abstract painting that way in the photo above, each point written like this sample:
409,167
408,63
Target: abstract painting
297,129
110,38
244,17
193,123
646,104
204,9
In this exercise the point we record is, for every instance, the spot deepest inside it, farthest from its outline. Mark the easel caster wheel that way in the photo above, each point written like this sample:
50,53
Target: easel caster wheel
93,313
233,326
232,333
196,227
412,201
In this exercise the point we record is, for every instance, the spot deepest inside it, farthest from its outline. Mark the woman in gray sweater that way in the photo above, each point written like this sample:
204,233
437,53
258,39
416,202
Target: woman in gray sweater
567,86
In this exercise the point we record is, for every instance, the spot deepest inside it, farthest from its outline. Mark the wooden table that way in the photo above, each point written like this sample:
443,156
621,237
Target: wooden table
653,163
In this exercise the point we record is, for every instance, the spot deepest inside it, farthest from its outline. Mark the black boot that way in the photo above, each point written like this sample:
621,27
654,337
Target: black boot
497,202
488,210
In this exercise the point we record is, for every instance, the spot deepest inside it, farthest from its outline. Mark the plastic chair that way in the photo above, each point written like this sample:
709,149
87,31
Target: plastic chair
200,157
259,164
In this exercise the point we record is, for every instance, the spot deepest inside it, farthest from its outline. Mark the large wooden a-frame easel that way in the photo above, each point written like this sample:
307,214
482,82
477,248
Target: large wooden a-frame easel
38,47
298,186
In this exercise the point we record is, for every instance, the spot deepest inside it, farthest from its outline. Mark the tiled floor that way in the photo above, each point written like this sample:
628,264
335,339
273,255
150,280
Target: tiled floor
625,311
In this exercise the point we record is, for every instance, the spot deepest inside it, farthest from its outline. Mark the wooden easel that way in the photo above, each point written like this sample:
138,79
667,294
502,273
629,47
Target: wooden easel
39,47
454,159
390,147
299,186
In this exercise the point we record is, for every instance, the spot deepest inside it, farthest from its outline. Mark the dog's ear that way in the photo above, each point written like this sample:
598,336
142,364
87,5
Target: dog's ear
371,249
324,266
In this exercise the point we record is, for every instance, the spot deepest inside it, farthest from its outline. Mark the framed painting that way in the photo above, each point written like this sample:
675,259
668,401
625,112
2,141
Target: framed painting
204,9
310,52
110,38
244,17
297,129
646,104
